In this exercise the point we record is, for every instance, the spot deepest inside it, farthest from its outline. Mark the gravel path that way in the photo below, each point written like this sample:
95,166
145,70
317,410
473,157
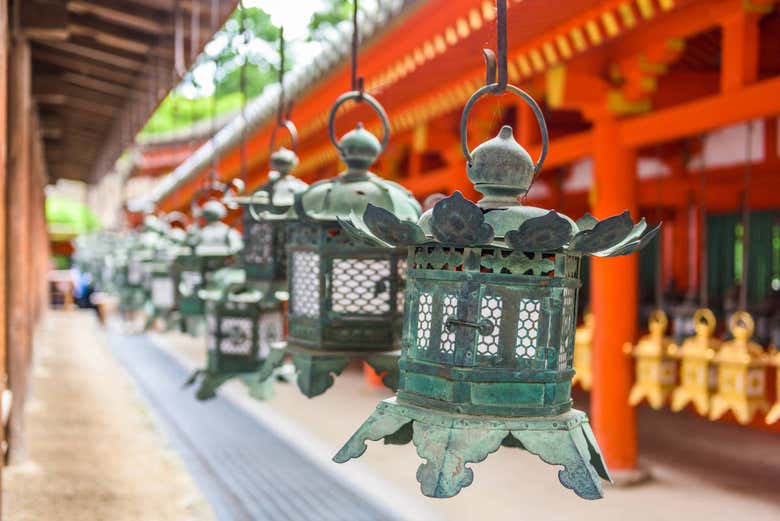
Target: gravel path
94,451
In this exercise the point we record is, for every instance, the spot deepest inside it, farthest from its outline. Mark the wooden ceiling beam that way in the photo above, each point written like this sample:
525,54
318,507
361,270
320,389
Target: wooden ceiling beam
109,40
89,82
85,50
147,20
44,19
89,68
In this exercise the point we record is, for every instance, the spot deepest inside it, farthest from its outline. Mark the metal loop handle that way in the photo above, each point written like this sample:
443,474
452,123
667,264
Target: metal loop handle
373,103
741,325
176,217
290,126
494,88
704,321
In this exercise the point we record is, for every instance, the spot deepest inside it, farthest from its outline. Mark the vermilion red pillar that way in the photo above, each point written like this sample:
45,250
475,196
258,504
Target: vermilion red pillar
614,295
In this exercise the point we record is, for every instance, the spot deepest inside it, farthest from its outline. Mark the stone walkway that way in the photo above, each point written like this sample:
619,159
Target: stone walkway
97,453
94,451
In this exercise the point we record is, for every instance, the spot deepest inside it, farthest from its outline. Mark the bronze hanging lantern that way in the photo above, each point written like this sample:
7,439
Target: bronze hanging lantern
346,296
244,303
213,246
489,319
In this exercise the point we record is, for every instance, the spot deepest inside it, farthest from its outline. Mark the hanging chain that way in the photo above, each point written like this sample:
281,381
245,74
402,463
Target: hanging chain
242,86
357,81
215,8
280,116
743,289
704,296
659,261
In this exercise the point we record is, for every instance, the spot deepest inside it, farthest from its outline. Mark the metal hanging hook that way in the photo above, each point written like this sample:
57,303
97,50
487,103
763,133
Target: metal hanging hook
497,77
280,108
357,82
283,109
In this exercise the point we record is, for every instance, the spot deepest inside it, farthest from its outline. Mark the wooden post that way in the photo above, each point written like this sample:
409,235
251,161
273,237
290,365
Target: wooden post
614,295
740,50
19,327
3,183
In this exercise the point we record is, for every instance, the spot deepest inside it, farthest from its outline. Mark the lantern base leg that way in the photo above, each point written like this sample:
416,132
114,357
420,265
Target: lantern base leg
699,397
449,442
744,409
316,370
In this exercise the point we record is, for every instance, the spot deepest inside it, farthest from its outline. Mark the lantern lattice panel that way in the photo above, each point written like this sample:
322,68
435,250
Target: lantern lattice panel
527,328
163,292
306,284
258,243
236,335
447,339
360,286
424,318
491,309
270,329
344,295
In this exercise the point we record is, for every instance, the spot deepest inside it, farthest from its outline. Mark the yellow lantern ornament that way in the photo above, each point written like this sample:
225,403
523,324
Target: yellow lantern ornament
741,373
656,370
698,377
774,412
583,353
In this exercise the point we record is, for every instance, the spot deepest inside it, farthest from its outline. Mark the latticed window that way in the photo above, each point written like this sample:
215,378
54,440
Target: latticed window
567,328
163,292
305,297
270,329
236,336
361,286
424,318
135,272
449,310
490,309
528,328
258,243
189,282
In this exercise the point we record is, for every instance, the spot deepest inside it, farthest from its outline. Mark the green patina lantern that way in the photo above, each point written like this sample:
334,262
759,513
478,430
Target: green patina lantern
265,217
241,322
135,266
346,295
163,294
244,305
214,246
489,321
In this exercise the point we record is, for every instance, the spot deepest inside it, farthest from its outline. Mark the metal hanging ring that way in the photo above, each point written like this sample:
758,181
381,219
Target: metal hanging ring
491,89
373,103
290,126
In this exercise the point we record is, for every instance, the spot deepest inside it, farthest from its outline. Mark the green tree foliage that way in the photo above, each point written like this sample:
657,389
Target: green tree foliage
230,58
337,11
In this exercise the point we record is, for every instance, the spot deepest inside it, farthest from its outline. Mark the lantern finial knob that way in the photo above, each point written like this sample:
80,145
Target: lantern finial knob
283,161
214,211
359,148
501,170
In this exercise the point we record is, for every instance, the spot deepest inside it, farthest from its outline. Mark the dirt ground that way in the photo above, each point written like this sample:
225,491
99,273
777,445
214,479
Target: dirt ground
94,453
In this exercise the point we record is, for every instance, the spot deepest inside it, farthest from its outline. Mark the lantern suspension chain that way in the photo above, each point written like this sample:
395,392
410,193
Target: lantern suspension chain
283,109
704,296
659,265
242,79
357,82
743,290
214,20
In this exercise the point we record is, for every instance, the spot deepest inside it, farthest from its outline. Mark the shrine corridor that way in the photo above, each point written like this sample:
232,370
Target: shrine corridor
114,436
